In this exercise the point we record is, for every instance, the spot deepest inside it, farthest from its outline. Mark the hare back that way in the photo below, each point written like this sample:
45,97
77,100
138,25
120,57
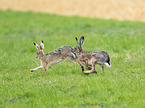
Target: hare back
101,57
97,57
51,58
66,51
58,55
51,63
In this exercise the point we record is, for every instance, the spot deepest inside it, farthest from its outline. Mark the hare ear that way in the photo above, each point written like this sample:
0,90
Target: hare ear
37,46
42,44
77,41
81,41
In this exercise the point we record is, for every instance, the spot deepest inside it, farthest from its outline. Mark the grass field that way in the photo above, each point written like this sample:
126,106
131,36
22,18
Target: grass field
64,85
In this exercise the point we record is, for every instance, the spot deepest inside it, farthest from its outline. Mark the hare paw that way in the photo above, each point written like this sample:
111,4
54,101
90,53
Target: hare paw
82,68
31,70
86,73
94,72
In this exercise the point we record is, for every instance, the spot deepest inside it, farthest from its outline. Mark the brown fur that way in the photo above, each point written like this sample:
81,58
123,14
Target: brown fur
54,57
90,58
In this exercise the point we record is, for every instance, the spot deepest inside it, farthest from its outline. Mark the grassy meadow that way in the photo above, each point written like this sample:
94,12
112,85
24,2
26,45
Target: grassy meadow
64,85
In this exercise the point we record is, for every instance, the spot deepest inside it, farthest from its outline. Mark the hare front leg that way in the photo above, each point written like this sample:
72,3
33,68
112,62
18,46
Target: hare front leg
45,69
92,70
87,66
32,70
102,67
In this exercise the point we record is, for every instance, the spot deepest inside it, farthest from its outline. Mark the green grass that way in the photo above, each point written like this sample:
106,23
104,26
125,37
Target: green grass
64,85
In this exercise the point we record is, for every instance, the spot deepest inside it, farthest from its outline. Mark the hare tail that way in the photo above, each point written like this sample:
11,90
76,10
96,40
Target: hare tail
107,64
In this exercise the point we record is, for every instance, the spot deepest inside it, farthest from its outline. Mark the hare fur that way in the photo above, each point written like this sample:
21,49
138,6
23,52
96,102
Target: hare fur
54,57
90,58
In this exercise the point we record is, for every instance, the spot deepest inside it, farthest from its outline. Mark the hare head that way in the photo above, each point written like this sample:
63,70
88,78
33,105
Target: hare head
80,43
40,49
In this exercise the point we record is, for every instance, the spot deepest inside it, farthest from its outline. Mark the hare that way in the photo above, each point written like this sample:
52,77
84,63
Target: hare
54,57
90,58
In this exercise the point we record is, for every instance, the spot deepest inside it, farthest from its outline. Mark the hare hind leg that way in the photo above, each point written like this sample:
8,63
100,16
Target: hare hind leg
74,61
81,67
32,70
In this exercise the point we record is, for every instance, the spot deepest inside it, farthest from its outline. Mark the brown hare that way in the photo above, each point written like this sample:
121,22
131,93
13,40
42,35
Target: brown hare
54,57
90,58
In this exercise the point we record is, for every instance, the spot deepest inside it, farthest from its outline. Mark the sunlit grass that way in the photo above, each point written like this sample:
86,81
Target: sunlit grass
107,9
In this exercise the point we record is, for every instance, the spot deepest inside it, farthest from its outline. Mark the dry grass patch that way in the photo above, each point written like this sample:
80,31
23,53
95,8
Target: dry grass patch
114,9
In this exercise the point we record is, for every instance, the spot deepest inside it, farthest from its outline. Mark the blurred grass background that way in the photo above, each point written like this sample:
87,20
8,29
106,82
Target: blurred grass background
107,9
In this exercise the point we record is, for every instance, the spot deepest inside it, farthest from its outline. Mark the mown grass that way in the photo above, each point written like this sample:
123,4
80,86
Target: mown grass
64,85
